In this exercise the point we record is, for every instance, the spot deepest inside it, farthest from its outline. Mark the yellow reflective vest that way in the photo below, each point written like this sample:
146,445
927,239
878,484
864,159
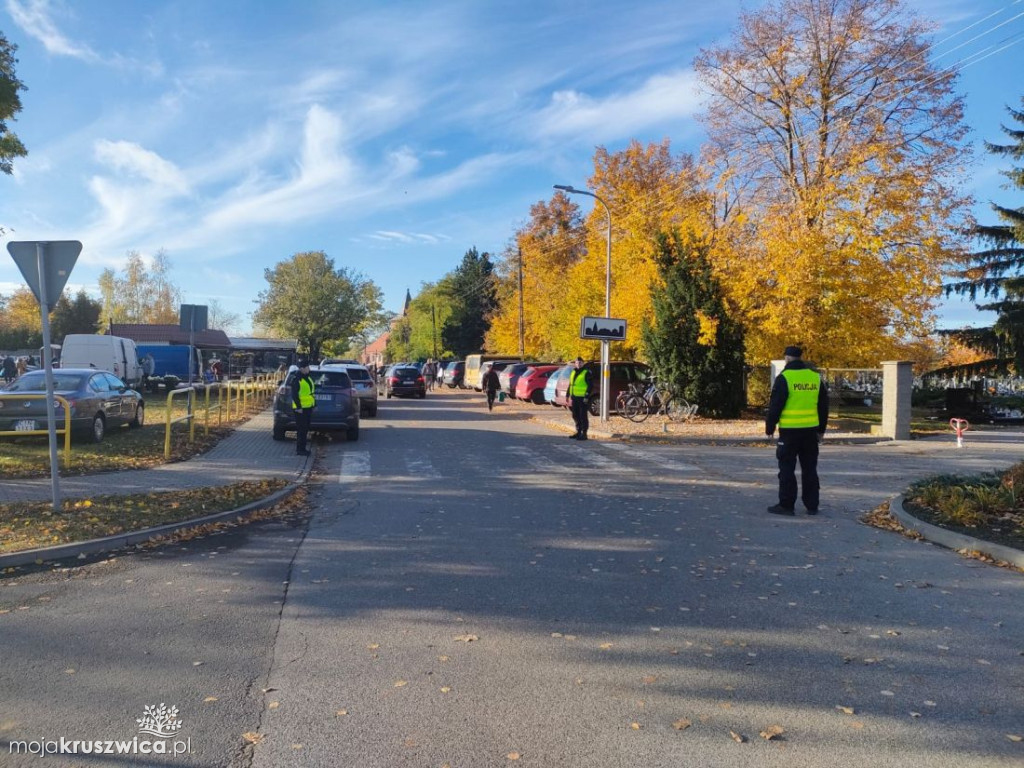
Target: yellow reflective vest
801,409
306,389
578,384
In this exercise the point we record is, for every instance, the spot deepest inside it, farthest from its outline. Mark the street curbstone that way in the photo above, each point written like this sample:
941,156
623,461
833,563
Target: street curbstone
953,540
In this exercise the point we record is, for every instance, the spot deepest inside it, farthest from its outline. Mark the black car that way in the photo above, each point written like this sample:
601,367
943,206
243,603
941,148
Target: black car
337,406
454,373
98,399
404,380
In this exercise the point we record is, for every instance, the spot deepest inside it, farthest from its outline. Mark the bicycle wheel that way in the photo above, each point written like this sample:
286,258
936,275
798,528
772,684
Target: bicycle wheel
620,402
679,409
636,408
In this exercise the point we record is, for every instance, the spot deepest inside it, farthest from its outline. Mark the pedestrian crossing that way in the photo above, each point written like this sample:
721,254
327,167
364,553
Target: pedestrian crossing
608,460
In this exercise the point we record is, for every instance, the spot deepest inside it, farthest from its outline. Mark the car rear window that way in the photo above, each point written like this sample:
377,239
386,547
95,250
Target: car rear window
406,372
331,379
359,374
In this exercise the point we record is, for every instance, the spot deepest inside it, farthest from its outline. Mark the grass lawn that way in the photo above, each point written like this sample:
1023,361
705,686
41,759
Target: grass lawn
122,448
31,524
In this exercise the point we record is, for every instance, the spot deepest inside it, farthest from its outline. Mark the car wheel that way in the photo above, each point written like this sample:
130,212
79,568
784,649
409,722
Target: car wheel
595,406
140,417
388,395
537,398
279,431
99,429
353,434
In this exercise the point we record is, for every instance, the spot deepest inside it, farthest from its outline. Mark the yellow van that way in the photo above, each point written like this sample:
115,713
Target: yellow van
474,376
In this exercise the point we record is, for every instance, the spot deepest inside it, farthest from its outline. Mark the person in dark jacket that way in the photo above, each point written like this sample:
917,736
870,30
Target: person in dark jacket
581,389
303,403
491,385
10,371
799,407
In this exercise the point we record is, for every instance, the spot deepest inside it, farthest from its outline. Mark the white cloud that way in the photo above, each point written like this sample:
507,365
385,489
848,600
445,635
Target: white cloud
661,98
33,17
133,159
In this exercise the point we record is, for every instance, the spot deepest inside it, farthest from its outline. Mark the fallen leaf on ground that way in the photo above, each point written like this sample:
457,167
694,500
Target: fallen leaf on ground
772,732
1014,737
635,726
274,705
649,680
401,683
466,638
341,713
739,739
605,646
209,699
446,689
512,755
252,737
681,725
846,710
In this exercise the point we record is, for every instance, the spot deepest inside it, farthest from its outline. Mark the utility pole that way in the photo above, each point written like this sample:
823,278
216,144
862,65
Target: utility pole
522,326
433,320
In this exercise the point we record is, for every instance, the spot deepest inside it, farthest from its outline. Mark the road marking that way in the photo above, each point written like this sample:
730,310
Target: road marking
654,458
594,459
355,466
521,455
420,467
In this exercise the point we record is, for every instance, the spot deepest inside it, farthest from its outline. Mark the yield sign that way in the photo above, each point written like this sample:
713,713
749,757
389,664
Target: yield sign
50,262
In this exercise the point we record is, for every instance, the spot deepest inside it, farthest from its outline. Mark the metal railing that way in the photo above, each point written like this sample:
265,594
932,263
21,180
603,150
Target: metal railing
234,400
169,421
26,432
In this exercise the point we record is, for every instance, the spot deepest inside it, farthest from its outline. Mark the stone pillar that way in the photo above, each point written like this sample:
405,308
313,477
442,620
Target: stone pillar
897,386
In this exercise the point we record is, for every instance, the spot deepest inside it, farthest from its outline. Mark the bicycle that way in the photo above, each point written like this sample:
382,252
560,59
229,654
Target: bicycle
638,403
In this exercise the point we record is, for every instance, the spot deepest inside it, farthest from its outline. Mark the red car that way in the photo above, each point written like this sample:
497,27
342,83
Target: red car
530,385
622,375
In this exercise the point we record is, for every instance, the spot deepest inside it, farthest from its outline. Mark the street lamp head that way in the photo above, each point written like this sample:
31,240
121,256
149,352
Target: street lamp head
565,187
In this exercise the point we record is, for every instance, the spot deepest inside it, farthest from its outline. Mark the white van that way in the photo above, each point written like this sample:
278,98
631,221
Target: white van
105,353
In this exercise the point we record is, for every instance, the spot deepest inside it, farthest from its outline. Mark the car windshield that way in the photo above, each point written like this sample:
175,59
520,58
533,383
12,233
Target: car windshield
358,374
37,383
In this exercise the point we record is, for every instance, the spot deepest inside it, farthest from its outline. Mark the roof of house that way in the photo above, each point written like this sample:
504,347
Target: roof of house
256,343
169,334
378,345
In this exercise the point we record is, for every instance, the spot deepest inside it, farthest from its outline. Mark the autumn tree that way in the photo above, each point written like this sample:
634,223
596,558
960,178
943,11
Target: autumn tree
80,315
472,301
997,270
309,299
221,318
140,294
20,324
693,343
10,104
838,145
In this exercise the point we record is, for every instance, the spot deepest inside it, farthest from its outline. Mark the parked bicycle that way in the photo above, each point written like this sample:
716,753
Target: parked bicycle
639,402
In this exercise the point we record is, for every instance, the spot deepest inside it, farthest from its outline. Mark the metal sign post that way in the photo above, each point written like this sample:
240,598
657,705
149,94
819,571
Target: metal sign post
47,277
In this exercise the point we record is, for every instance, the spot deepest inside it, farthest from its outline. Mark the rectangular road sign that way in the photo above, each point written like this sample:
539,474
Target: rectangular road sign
603,328
57,259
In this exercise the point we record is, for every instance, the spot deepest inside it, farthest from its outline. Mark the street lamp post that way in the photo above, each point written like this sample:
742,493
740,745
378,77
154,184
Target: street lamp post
605,343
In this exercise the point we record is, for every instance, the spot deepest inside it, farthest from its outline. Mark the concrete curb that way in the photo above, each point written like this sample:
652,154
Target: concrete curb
952,540
120,540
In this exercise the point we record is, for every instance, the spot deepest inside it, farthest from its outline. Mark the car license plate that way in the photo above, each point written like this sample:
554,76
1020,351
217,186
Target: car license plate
25,425
326,398
407,381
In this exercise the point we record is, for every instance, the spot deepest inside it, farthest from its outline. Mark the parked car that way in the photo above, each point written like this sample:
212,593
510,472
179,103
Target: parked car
621,373
404,380
118,355
337,405
454,373
475,368
510,375
99,401
551,388
362,384
531,383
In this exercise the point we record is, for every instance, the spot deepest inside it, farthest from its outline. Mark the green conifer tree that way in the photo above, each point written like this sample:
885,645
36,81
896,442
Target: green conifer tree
694,345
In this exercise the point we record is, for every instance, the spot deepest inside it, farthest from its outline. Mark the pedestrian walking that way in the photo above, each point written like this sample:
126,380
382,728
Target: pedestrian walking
799,407
148,369
491,385
303,403
21,367
581,388
10,369
429,372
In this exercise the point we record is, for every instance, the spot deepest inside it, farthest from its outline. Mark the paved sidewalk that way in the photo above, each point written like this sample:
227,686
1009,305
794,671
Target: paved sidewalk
249,453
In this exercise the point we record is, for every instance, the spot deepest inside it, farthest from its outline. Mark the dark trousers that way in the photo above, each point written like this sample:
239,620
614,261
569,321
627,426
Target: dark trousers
302,428
580,414
491,394
797,444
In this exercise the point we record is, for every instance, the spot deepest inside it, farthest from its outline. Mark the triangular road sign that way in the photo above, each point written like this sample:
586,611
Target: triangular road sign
59,256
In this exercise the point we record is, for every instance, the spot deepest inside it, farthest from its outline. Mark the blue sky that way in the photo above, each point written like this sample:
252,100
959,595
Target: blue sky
392,135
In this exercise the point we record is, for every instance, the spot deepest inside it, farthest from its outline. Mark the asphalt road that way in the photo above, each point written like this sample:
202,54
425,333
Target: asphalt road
474,590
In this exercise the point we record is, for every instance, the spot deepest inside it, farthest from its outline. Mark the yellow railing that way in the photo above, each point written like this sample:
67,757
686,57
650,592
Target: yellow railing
67,422
189,417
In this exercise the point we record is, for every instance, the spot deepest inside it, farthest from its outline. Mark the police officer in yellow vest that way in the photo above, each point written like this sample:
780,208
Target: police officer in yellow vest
799,406
303,403
581,389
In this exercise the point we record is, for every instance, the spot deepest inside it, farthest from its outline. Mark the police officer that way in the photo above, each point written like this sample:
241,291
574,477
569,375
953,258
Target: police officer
581,387
799,406
303,403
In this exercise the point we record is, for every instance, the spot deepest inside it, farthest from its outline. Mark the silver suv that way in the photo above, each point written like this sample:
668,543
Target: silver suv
362,384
